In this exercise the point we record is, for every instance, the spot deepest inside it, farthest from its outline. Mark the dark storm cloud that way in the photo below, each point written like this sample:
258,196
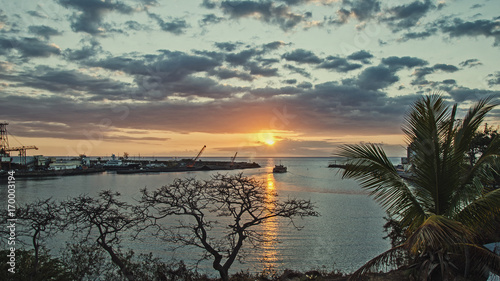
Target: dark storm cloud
376,78
176,26
28,47
302,56
458,27
89,17
406,61
362,56
406,16
338,64
265,11
44,31
470,63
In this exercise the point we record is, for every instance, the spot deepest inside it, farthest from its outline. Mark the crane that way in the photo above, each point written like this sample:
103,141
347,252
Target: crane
196,158
4,145
232,159
22,151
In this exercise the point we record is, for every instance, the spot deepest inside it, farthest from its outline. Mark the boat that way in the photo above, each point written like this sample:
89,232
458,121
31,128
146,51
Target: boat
279,169
116,164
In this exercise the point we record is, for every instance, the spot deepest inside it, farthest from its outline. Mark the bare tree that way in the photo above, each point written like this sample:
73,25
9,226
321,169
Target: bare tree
105,218
40,219
242,201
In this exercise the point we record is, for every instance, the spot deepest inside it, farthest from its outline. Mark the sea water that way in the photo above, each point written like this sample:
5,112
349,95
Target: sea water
348,232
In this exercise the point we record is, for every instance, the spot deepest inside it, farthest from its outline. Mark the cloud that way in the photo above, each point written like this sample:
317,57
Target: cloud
44,31
265,11
242,57
418,35
445,67
70,83
28,47
458,27
90,14
376,78
421,72
89,50
494,79
362,56
227,46
406,61
302,56
361,10
210,19
470,63
406,16
224,73
462,94
338,64
208,4
176,26
298,70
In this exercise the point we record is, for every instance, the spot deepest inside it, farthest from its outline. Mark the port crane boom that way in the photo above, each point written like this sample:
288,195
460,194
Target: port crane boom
197,156
4,145
232,159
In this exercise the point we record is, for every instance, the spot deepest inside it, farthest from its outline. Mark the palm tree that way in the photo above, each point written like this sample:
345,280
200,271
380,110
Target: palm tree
446,207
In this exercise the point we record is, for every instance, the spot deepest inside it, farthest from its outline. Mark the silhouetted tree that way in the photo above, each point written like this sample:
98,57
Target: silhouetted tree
39,220
243,201
105,218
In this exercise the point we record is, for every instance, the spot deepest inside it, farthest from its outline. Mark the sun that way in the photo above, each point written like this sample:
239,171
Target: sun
267,138
269,141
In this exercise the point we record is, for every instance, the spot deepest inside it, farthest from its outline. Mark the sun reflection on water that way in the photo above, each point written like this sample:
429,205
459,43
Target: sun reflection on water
269,255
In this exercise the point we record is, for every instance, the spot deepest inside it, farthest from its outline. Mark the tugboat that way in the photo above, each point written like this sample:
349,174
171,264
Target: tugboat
279,169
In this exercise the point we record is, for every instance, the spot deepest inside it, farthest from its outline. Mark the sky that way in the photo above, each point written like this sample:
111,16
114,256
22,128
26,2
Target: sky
256,77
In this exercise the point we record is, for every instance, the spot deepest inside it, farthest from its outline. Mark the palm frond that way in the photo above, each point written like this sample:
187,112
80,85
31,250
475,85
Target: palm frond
482,212
383,262
437,233
471,122
484,260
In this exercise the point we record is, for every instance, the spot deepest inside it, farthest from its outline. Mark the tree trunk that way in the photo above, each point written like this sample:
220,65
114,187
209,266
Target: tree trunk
116,260
36,247
224,275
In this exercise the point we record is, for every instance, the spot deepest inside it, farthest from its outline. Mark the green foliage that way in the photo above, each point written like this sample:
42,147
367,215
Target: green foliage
49,268
447,206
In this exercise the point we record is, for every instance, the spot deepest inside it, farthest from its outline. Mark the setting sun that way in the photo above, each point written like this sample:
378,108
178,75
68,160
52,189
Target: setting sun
267,138
269,141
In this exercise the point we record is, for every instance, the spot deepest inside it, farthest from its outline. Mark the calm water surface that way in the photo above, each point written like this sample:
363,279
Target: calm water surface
348,232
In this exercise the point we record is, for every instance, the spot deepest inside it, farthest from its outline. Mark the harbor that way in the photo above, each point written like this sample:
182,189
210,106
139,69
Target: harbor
39,166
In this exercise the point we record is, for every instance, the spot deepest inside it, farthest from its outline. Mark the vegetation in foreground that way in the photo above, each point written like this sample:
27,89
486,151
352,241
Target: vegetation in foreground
449,207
